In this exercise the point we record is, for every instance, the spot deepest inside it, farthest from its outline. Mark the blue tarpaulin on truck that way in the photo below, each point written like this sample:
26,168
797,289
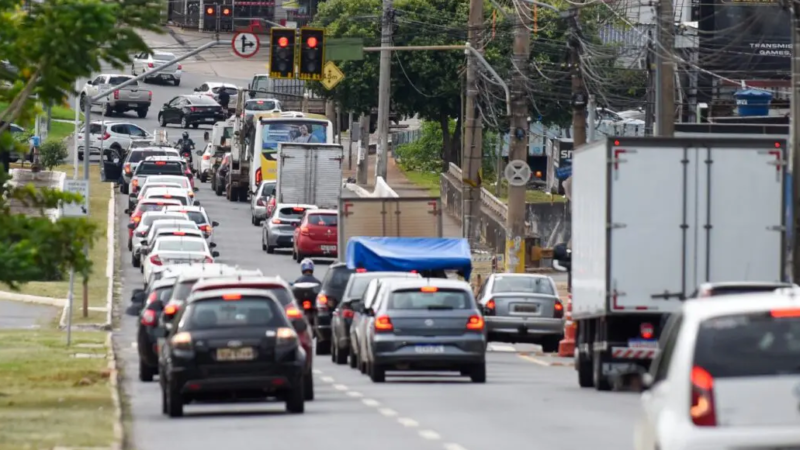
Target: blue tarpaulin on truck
405,254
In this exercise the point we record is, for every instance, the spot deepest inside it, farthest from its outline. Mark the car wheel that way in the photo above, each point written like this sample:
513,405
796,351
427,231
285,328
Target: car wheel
322,348
377,373
333,353
296,398
142,113
308,389
341,356
362,366
478,373
83,102
203,178
218,190
300,257
108,111
164,402
146,372
271,250
550,344
123,188
174,401
253,221
136,261
184,122
162,121
352,357
177,82
195,125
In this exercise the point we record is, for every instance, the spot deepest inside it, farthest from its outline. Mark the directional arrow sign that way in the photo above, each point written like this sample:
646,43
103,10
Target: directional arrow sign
331,75
245,45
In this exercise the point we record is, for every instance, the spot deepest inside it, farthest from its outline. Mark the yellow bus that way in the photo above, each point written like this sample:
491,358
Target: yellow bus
274,128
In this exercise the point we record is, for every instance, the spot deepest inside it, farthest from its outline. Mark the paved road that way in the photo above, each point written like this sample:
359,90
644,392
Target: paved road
18,315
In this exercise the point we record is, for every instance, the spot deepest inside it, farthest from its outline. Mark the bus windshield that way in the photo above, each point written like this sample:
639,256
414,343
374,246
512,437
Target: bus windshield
302,131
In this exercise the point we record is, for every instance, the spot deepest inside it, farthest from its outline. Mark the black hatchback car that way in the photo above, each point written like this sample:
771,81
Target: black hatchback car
230,345
147,334
191,110
329,297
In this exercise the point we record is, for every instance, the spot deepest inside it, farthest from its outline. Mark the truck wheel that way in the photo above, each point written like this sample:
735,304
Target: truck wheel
585,374
142,113
601,382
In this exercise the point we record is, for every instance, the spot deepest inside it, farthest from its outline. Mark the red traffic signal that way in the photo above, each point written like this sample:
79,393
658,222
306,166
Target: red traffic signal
283,42
210,10
226,12
312,42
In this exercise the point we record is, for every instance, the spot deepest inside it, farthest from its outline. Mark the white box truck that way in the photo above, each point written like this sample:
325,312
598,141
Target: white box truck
309,174
652,218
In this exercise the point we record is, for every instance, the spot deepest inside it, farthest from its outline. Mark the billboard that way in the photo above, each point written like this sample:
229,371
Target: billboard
744,39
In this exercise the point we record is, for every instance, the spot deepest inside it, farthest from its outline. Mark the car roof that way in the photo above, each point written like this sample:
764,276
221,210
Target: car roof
203,295
240,280
295,205
171,177
161,158
742,303
410,283
201,271
163,185
219,84
151,147
324,211
163,53
186,221
181,238
173,208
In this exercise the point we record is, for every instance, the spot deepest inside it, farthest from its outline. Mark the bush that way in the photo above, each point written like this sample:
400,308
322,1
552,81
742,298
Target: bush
425,154
52,153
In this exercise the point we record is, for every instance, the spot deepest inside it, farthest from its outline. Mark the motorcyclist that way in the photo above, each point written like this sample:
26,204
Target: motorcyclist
186,145
307,267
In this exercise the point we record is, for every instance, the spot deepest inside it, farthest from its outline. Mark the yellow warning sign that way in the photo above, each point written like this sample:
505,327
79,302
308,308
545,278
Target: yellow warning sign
331,75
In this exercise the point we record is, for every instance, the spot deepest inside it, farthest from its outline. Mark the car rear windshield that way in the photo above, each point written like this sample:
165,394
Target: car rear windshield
292,212
163,294
202,100
440,299
261,105
116,81
184,201
748,345
160,168
247,312
147,207
163,57
336,279
231,91
157,185
187,233
197,217
268,191
733,290
360,283
530,285
182,245
147,221
325,220
141,155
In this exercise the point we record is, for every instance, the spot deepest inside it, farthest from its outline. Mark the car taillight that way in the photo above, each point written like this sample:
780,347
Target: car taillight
209,260
558,310
293,313
261,202
150,95
646,330
277,221
304,231
180,67
135,182
136,219
322,300
181,341
155,260
150,65
127,168
307,304
193,109
702,406
475,323
361,270
106,136
348,314
206,157
149,318
205,228
152,297
116,94
490,308
383,324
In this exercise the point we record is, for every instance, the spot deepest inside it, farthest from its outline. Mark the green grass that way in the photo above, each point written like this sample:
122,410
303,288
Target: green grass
427,180
59,112
430,181
60,130
49,398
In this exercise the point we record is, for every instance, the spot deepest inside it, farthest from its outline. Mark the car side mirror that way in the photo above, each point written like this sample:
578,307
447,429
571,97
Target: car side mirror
212,245
131,226
647,381
197,89
196,203
214,224
300,326
166,105
137,296
215,254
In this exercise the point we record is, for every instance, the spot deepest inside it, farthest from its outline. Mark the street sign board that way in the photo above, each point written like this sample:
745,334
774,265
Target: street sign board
331,75
245,45
77,209
517,173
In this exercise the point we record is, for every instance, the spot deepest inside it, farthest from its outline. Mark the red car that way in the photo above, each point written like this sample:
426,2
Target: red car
143,207
316,235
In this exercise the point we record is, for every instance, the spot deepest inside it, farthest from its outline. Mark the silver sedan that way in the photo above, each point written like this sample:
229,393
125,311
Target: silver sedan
278,229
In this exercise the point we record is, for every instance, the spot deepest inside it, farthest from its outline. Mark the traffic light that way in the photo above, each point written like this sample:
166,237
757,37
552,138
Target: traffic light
211,10
281,55
312,53
226,11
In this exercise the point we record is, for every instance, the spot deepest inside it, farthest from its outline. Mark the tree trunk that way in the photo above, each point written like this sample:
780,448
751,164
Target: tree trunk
444,122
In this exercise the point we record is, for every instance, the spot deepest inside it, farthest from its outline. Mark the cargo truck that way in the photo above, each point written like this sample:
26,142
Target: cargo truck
309,174
652,219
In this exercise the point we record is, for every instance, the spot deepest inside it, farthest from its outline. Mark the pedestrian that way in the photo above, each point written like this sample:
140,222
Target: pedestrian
224,99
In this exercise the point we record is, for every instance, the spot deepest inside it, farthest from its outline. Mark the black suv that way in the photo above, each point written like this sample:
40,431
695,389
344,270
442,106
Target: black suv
231,344
147,332
329,297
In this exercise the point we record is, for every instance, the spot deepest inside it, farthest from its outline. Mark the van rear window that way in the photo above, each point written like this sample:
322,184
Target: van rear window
748,345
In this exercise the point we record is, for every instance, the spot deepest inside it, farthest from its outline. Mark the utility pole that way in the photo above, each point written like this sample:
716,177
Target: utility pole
649,114
578,89
665,70
384,90
218,22
473,134
794,140
518,150
363,150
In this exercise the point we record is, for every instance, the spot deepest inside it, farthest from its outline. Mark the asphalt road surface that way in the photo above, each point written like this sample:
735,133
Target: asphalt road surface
523,405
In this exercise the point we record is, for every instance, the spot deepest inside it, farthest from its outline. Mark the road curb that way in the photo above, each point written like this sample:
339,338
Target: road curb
111,238
25,298
116,390
543,361
179,39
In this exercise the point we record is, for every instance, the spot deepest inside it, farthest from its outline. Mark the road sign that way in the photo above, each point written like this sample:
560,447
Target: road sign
77,209
517,173
245,45
331,75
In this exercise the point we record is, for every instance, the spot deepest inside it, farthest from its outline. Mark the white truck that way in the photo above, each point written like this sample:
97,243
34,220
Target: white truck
389,217
653,218
309,174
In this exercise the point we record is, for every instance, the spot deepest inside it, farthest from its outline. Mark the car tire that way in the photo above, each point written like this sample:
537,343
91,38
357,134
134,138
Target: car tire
162,121
321,349
271,250
341,357
218,191
253,220
308,389
177,82
195,125
362,366
478,373
174,400
352,360
136,262
142,113
203,178
130,245
601,382
377,373
550,344
333,353
123,188
108,111
585,374
296,398
146,373
82,102
184,122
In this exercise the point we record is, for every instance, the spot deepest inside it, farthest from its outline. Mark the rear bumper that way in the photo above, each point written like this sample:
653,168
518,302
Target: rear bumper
281,239
276,377
402,350
130,104
524,326
314,247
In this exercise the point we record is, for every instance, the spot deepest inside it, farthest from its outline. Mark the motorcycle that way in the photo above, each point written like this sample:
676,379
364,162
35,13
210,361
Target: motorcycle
186,153
306,296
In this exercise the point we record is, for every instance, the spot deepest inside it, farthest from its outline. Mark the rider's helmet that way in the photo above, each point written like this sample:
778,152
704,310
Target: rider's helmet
185,135
307,265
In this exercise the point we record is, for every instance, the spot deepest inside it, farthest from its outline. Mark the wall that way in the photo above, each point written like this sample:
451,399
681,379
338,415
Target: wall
549,222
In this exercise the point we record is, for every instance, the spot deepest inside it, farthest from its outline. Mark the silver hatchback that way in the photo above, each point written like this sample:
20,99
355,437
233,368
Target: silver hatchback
278,229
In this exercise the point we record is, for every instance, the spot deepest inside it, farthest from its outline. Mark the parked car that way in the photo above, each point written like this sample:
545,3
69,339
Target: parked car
144,62
128,98
317,235
112,135
191,111
259,200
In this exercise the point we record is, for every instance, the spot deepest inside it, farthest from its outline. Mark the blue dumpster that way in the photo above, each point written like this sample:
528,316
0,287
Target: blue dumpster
753,102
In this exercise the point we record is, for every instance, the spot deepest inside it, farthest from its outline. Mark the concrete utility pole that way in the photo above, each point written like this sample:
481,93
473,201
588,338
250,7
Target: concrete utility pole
578,89
472,146
384,90
665,70
519,130
794,140
363,150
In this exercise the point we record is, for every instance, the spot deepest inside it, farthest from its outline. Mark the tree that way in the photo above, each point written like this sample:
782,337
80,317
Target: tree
45,47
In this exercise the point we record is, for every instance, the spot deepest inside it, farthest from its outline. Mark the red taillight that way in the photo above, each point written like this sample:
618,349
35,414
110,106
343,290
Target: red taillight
322,300
360,270
149,318
106,136
782,313
646,330
116,94
490,308
209,260
558,310
127,168
475,323
304,231
702,409
261,202
307,304
193,109
383,324
180,67
348,314
277,221
205,228
293,313
150,95
155,260
171,310
152,297
150,65
206,157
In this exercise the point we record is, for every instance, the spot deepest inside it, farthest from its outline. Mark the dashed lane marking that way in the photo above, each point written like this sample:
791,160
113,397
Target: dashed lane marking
355,394
493,347
370,402
316,371
429,435
452,446
387,412
326,379
406,422
340,387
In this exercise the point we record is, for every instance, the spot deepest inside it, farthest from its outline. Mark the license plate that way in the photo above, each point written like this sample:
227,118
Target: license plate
235,354
526,308
133,105
209,119
642,343
328,248
429,349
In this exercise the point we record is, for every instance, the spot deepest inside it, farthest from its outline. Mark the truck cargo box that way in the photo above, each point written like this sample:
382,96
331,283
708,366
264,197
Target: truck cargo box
309,174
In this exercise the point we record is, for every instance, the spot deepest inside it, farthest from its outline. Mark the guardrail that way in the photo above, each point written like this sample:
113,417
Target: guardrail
488,200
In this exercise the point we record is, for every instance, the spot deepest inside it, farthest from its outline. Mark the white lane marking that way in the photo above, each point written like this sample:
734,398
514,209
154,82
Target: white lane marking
429,435
452,446
387,412
340,387
355,394
370,402
326,379
134,345
316,371
494,347
406,422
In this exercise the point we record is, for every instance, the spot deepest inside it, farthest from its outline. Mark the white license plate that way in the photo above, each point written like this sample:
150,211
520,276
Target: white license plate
209,119
642,343
429,349
133,105
328,248
530,309
235,354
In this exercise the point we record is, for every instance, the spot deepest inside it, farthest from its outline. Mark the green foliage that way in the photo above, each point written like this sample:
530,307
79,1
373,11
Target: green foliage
52,153
424,154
